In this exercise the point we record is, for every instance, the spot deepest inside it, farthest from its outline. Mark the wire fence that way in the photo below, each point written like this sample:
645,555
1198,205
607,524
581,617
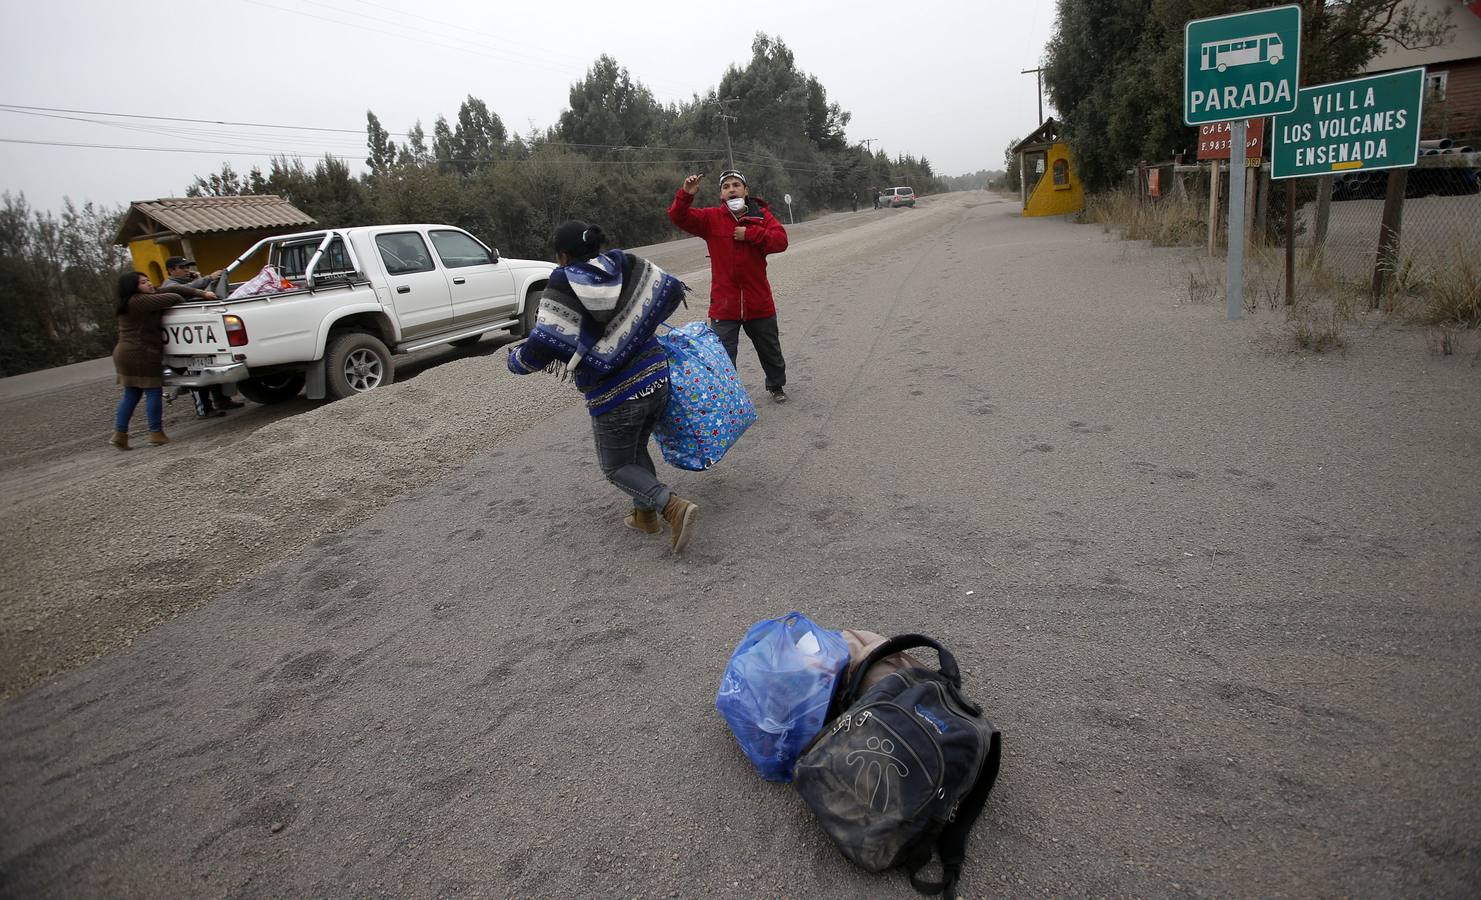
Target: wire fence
1438,217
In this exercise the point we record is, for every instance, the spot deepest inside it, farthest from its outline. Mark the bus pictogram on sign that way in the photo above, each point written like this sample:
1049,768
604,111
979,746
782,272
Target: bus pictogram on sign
1245,51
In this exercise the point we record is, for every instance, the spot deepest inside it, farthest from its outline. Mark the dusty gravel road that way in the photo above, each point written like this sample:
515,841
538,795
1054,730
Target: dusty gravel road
1220,598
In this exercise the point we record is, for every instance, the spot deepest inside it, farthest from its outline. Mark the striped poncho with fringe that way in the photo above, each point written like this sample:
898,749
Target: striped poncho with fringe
596,325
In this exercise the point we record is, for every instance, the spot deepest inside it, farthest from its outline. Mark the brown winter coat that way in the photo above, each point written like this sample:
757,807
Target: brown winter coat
138,357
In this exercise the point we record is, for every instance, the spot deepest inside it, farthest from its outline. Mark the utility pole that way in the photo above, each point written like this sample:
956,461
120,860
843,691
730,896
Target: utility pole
725,120
1039,80
868,144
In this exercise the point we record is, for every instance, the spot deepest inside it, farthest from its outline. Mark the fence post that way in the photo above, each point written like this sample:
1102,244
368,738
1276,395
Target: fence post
1290,241
1323,214
1249,199
1388,233
1262,206
1213,207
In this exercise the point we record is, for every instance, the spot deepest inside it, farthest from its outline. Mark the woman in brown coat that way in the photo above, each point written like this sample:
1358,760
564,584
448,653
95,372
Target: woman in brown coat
138,357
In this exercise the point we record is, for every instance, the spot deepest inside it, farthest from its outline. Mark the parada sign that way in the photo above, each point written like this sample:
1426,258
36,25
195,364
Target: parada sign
1241,66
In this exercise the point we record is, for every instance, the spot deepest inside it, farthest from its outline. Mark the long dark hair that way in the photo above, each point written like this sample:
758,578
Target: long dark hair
128,286
578,239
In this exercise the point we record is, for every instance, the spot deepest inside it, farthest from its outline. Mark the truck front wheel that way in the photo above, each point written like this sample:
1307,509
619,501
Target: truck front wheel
355,363
529,313
268,389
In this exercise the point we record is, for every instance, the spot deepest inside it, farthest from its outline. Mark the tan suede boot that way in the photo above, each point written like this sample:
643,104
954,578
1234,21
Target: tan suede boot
644,520
158,437
680,515
120,440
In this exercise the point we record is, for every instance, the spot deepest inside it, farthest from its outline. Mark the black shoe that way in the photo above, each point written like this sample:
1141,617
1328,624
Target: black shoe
778,395
210,414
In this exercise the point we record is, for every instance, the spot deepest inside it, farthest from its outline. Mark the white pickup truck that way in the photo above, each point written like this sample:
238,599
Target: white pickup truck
360,295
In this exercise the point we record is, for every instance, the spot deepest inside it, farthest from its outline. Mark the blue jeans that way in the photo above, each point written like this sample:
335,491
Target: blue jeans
622,448
154,408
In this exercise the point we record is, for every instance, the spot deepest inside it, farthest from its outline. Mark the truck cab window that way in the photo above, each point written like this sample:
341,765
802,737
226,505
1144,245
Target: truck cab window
404,253
457,249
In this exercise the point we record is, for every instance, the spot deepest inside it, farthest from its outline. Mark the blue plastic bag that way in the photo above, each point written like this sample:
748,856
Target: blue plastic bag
708,407
777,687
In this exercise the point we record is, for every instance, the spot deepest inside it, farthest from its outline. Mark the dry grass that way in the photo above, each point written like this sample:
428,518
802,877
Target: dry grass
1446,298
1167,222
1323,309
1452,294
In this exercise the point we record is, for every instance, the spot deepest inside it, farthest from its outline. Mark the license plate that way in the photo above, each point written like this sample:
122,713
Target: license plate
200,362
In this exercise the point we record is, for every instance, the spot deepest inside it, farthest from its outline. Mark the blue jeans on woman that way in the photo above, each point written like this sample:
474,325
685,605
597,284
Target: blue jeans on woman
622,448
154,408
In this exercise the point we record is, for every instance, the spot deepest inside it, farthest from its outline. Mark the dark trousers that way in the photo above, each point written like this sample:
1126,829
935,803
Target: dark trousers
622,435
208,398
767,341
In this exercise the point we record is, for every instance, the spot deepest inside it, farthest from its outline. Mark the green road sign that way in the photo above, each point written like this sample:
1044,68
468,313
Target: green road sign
1363,123
1242,65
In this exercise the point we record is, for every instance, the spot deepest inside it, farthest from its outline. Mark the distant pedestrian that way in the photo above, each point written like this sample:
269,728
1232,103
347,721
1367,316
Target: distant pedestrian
138,357
875,192
855,198
211,400
739,235
596,323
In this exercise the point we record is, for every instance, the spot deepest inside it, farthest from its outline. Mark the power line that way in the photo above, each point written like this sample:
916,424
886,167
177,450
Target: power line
90,112
43,110
237,152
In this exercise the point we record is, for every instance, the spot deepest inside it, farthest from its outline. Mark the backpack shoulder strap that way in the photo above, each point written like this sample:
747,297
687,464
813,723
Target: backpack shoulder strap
952,842
949,669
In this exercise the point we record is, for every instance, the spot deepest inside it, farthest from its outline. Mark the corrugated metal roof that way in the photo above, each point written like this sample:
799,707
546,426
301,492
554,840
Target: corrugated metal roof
188,216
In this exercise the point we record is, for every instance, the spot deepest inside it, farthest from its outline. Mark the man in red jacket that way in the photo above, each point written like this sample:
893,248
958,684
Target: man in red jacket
739,235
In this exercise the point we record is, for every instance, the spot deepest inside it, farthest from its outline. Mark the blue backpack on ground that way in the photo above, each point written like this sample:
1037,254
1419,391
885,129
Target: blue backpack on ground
776,690
708,407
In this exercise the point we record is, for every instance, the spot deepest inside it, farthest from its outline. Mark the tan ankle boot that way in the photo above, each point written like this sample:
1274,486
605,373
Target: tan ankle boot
644,520
158,437
680,515
120,440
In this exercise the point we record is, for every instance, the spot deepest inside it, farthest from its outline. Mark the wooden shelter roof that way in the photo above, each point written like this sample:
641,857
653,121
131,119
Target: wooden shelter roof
188,216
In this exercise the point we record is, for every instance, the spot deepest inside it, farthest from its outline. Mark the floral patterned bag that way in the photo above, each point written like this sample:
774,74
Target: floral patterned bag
708,408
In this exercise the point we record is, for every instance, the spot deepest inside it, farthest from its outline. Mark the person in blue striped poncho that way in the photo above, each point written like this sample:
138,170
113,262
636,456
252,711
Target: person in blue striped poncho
596,325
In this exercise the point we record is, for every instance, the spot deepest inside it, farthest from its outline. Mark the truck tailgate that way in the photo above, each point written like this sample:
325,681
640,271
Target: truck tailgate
194,332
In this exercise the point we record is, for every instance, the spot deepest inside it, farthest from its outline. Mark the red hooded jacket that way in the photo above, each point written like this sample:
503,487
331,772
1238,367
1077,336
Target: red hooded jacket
738,286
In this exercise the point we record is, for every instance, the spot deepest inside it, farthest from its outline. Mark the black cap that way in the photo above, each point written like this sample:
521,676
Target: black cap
174,261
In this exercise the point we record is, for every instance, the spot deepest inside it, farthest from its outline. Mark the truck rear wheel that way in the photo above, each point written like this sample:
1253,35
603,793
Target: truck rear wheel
267,389
355,363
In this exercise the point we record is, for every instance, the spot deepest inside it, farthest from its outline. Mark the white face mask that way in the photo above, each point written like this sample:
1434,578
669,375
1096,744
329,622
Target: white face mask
736,204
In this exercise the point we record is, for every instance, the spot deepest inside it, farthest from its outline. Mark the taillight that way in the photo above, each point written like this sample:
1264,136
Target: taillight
236,332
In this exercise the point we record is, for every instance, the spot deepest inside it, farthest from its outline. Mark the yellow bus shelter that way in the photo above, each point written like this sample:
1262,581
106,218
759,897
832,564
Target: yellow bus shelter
1047,183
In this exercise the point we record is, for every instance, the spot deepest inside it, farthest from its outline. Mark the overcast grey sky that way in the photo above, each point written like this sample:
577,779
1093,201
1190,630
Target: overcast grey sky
945,84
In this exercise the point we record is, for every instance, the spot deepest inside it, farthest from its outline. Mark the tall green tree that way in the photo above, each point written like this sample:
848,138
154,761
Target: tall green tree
609,109
378,141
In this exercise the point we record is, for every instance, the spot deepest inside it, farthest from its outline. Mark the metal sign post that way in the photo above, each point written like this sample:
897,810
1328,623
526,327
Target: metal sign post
787,198
1237,67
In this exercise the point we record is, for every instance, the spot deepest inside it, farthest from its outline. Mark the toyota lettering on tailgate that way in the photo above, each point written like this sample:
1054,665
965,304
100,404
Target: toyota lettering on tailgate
189,334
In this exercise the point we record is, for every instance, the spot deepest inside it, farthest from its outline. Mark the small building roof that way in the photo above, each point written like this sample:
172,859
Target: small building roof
187,216
1464,42
1041,139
